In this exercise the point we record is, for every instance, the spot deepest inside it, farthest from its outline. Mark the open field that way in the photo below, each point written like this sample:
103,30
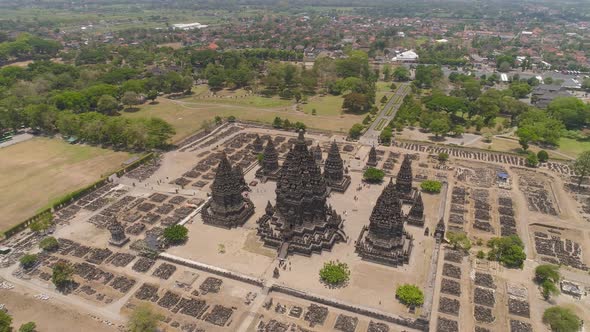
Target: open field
573,147
202,94
186,117
40,170
324,105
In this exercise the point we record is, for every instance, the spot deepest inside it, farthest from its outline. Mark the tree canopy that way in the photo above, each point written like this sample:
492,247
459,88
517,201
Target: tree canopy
176,234
335,273
508,250
410,295
561,319
144,319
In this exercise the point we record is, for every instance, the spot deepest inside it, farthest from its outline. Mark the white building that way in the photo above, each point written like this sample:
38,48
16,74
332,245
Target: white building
188,26
407,56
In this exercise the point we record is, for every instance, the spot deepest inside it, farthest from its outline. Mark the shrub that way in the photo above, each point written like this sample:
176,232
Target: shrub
62,274
28,260
373,175
431,186
481,254
561,319
144,319
459,240
410,295
176,234
547,275
231,119
335,273
443,156
5,322
28,327
532,160
49,244
543,156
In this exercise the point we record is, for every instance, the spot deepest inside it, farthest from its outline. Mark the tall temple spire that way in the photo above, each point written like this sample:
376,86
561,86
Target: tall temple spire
334,170
404,176
416,214
257,145
372,161
227,207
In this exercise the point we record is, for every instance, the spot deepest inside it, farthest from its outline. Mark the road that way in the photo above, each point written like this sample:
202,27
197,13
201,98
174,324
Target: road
371,136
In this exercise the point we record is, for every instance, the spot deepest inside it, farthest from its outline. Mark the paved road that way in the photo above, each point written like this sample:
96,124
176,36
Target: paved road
371,136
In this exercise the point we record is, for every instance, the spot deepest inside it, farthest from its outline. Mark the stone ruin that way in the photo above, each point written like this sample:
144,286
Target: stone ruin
384,240
334,170
227,208
372,161
270,163
257,145
301,222
118,237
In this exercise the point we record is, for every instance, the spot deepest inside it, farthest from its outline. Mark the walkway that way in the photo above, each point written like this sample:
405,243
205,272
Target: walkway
371,136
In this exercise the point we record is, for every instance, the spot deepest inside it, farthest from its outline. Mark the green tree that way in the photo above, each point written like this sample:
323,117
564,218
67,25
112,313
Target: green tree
356,103
572,111
543,156
335,273
561,319
431,186
130,98
62,275
401,74
481,254
508,250
459,240
356,131
547,276
443,157
386,135
107,105
532,160
277,123
49,244
176,234
28,260
439,127
582,166
144,319
28,327
410,295
5,322
383,99
152,95
373,175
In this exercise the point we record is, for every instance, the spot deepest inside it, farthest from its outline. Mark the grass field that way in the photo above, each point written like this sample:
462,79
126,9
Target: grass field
38,171
573,147
187,117
327,105
201,94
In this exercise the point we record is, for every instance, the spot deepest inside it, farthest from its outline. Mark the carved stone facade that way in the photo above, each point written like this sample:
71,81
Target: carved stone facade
227,207
416,214
301,222
384,240
334,170
270,162
403,181
257,145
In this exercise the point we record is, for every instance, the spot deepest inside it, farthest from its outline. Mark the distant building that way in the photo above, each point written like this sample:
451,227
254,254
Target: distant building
407,56
543,94
188,26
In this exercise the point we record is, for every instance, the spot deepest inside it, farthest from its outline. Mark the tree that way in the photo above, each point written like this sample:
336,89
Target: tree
231,119
547,276
439,127
176,234
383,99
107,105
28,327
543,156
130,98
443,156
49,244
431,186
356,103
572,111
62,275
532,160
386,136
356,131
218,120
144,319
582,166
43,223
5,322
508,250
561,319
300,126
277,123
373,175
481,254
410,295
28,260
401,74
335,273
459,240
152,95
393,87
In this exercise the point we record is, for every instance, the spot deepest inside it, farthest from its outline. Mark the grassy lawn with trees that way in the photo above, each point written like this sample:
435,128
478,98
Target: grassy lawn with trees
41,170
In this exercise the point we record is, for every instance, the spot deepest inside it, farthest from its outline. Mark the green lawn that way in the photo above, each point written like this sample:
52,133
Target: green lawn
201,94
326,105
573,147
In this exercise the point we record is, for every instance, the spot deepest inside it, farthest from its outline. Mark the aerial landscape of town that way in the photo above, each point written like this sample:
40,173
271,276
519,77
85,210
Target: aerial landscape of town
274,165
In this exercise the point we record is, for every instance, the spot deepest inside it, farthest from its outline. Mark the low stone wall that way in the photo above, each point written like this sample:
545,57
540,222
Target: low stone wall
418,324
212,269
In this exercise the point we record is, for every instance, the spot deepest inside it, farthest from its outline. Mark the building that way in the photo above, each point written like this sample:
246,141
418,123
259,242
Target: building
543,94
407,57
188,26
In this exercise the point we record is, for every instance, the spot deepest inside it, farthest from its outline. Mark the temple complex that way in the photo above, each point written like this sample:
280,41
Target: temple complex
334,170
301,222
403,181
227,207
372,162
270,162
385,240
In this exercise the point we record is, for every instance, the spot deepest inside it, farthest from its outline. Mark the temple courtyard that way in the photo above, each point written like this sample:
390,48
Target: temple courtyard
257,238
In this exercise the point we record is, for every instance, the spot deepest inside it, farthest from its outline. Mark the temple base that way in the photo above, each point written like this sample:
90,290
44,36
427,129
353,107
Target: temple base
393,252
227,220
340,186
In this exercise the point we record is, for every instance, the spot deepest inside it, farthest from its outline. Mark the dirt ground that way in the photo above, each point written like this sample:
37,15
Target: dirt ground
40,170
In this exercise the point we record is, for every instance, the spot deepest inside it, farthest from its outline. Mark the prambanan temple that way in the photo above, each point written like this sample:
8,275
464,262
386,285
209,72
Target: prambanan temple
270,162
372,161
301,222
227,208
385,240
334,170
